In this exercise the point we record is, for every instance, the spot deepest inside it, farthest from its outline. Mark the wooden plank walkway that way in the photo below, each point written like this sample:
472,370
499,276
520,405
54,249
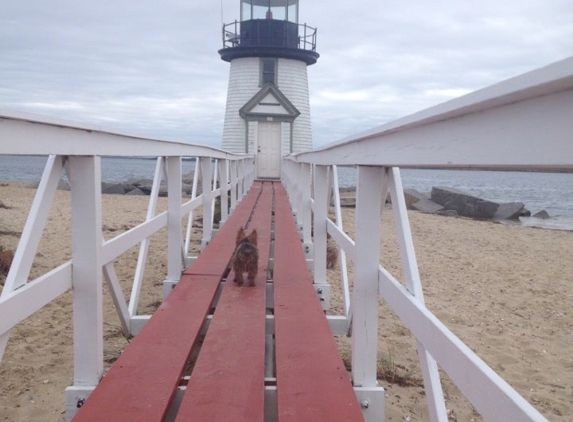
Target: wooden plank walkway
227,380
312,383
227,383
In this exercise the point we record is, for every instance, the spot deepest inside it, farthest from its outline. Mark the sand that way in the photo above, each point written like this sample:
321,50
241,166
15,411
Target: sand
504,290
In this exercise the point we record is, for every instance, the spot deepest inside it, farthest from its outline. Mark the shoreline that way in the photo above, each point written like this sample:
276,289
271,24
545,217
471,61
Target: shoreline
504,290
558,223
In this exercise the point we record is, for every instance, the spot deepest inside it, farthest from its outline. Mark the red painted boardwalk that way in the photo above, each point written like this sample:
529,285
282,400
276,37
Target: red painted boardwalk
312,383
227,379
227,383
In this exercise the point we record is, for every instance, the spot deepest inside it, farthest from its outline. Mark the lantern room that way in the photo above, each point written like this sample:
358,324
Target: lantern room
285,10
269,28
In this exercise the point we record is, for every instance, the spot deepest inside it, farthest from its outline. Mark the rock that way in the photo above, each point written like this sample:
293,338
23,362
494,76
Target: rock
427,206
186,188
112,188
146,189
348,189
348,202
139,182
448,213
135,191
128,187
544,215
412,196
464,204
509,211
188,179
525,213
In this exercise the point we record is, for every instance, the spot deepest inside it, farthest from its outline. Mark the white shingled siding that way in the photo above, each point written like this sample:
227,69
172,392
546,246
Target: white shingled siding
244,84
293,83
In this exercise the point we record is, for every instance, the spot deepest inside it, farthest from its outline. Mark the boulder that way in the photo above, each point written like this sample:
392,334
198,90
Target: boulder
509,211
188,178
186,188
427,206
146,189
448,213
163,191
137,182
544,215
348,202
112,188
412,196
464,204
135,191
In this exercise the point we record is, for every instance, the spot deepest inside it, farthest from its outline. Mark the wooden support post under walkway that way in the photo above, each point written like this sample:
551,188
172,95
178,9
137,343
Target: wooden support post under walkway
171,371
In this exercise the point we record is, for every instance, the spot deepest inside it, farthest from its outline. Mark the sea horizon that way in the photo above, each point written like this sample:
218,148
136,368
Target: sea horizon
549,191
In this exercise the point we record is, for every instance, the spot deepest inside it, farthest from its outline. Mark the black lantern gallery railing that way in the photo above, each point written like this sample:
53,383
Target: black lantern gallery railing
269,33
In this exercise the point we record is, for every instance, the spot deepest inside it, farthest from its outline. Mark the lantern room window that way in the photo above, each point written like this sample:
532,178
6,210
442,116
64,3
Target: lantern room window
284,10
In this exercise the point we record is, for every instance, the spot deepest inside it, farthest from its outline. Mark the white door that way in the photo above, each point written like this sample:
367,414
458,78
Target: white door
269,150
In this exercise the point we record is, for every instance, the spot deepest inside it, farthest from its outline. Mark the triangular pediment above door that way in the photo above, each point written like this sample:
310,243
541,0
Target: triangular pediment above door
269,102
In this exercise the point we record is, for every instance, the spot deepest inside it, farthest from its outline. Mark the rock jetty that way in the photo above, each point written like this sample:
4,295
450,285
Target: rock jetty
449,201
131,186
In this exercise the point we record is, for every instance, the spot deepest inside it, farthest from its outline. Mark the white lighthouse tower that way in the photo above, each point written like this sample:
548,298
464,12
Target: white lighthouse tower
268,111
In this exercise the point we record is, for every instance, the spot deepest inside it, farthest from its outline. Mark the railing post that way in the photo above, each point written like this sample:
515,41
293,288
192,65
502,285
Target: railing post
290,187
299,195
207,212
251,173
174,226
224,185
84,173
241,190
365,294
234,183
320,215
306,209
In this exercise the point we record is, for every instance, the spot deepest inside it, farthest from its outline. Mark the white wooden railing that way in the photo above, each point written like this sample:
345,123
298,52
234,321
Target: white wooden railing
77,150
525,123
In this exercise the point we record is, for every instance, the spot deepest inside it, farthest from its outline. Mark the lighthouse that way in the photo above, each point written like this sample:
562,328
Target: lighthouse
268,110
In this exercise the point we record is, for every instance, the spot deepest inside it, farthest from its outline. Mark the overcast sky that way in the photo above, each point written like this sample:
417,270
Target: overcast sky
151,67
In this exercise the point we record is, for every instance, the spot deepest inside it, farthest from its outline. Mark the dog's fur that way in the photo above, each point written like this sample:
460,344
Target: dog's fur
246,257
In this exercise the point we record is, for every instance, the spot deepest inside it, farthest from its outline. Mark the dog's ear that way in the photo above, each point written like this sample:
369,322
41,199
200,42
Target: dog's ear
240,235
253,236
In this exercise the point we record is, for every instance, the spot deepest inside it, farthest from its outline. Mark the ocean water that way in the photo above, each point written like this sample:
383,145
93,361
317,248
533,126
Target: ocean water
552,192
114,169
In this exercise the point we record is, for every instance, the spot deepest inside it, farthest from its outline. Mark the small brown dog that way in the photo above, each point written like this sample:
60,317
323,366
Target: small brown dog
246,257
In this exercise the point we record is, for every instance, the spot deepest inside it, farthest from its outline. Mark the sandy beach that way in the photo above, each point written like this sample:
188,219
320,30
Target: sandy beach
505,290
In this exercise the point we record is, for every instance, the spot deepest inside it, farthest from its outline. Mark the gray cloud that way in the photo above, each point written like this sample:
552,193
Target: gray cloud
152,68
